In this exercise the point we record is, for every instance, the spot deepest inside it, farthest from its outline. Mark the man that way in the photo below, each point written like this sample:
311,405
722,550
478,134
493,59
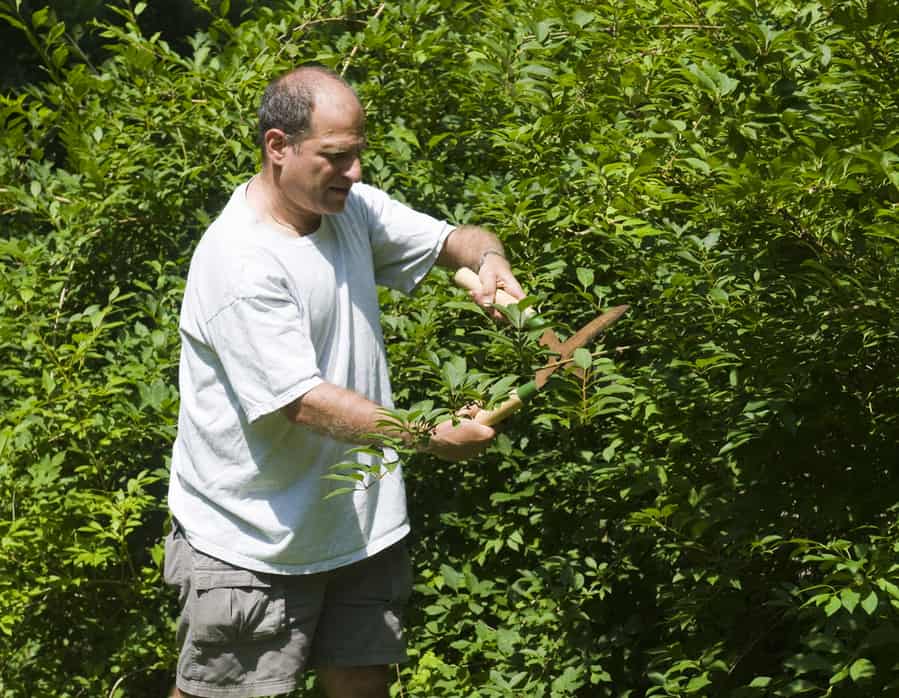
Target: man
283,370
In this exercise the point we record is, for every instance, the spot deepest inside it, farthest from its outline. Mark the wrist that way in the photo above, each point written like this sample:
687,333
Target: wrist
498,251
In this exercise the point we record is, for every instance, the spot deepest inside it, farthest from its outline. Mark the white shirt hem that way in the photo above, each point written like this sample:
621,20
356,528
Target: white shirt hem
372,548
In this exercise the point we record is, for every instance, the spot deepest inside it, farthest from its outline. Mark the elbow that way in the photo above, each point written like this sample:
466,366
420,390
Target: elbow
294,412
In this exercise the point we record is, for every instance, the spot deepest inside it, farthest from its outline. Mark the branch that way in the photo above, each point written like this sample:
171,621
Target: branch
711,27
346,63
81,53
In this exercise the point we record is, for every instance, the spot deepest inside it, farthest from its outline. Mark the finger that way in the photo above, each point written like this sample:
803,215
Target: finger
488,285
510,285
487,302
468,411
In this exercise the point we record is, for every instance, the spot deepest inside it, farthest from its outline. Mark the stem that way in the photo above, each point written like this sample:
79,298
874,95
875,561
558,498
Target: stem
584,382
81,53
399,680
711,27
349,59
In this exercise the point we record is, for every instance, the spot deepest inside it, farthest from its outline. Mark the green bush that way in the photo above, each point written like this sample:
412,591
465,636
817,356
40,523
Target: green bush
709,510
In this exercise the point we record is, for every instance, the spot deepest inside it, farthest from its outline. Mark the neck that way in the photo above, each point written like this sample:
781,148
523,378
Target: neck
265,197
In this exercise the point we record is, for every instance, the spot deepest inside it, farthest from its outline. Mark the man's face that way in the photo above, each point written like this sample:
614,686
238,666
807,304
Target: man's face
317,173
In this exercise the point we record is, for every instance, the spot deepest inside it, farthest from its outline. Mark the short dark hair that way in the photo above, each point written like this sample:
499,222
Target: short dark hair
289,99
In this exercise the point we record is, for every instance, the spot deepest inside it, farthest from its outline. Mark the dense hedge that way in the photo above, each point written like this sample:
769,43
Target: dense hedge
710,509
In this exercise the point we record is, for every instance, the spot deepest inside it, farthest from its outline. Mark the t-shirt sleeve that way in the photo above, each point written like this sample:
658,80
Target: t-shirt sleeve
264,348
405,242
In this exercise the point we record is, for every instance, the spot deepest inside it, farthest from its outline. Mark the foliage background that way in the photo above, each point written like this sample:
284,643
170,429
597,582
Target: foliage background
709,511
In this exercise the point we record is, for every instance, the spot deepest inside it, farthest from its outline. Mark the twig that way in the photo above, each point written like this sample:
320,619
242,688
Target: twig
617,350
302,27
81,53
63,294
687,26
399,680
62,299
322,20
349,59
118,683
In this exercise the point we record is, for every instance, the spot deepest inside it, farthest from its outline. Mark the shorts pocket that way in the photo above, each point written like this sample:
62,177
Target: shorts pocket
236,606
402,576
173,562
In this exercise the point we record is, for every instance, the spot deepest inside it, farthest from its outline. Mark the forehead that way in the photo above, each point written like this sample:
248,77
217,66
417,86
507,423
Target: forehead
337,115
337,140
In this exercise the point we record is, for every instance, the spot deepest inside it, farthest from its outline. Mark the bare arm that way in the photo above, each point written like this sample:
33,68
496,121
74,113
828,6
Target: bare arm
480,250
348,416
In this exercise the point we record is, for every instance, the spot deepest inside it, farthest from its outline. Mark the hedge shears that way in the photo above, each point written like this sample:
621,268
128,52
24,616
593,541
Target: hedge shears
563,351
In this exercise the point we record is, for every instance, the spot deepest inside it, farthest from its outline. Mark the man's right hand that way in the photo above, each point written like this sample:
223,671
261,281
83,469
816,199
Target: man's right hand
465,439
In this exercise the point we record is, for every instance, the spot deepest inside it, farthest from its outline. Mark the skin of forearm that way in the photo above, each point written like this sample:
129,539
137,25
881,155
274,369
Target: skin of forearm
349,417
339,413
465,245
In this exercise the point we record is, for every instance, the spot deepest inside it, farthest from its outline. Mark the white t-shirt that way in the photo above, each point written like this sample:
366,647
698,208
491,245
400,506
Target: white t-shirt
266,317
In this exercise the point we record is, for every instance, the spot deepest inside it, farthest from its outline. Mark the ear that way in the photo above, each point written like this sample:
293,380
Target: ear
276,143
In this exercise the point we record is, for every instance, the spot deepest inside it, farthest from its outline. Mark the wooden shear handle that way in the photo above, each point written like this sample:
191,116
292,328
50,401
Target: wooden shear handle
467,279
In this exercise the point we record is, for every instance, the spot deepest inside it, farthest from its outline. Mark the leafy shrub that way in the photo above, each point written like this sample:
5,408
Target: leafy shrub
709,510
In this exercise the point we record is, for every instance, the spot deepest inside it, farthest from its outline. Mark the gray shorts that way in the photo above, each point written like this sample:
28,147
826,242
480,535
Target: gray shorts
245,634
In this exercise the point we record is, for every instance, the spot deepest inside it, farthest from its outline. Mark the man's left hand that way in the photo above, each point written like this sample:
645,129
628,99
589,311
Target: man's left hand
495,272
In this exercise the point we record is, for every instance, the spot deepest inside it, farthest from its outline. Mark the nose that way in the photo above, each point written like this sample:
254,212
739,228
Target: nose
354,171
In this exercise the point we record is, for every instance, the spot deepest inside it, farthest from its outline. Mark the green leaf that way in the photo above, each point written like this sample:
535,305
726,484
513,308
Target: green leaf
454,580
841,675
862,669
796,687
808,663
18,24
870,603
353,477
699,165
582,18
719,295
543,29
850,599
608,453
454,371
582,358
40,17
697,683
48,382
585,276
887,586
339,492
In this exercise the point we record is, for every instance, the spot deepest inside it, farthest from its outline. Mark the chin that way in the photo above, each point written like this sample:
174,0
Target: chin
336,203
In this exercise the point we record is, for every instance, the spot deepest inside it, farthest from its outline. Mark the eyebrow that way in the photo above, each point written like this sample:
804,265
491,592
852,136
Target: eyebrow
344,147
